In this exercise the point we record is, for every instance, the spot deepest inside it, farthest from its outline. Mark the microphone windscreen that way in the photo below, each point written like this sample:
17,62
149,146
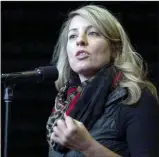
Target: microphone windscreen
49,73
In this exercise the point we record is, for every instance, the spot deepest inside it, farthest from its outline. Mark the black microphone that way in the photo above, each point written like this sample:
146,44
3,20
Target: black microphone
39,74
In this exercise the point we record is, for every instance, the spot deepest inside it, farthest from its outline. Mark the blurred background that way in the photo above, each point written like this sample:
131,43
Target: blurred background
29,31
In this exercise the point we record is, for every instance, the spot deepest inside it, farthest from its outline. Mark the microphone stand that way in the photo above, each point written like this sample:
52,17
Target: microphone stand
8,97
11,79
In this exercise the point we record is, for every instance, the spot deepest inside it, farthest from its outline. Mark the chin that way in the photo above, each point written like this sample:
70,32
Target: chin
83,70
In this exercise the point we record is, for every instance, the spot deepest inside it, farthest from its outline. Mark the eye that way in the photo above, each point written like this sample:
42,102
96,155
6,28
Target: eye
72,36
93,33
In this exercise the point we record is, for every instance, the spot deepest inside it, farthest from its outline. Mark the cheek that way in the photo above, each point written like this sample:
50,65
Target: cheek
102,50
70,54
99,44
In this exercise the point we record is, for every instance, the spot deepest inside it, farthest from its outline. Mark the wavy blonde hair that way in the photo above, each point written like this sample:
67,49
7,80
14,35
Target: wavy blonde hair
129,62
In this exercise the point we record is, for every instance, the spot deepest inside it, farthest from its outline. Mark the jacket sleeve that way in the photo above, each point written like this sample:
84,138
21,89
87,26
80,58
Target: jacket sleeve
74,154
142,127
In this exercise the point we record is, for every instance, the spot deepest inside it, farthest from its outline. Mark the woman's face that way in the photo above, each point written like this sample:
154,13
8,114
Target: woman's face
87,48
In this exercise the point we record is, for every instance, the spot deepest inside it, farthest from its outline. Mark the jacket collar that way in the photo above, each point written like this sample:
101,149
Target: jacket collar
118,93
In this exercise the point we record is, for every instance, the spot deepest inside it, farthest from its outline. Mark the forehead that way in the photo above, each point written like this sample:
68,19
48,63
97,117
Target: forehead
78,22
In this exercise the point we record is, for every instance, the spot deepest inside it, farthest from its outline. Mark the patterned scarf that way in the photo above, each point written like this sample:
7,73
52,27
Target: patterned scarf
82,101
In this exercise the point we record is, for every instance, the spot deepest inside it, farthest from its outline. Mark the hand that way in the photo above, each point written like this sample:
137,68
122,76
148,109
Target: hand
71,134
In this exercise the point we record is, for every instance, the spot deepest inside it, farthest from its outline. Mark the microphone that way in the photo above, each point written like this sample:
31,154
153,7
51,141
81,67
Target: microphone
39,74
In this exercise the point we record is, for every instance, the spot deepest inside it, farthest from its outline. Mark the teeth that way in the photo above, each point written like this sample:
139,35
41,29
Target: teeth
83,53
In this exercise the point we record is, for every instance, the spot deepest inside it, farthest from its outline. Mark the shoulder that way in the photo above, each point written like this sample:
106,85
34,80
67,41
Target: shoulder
147,100
145,111
146,106
147,103
140,123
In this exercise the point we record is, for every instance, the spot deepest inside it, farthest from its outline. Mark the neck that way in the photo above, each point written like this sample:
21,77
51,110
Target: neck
85,77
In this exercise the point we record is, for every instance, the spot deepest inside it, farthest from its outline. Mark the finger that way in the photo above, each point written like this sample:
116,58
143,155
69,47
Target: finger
57,131
77,122
71,126
74,120
61,125
55,138
62,136
62,141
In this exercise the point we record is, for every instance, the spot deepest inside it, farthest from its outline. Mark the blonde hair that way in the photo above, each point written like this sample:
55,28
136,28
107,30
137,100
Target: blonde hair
129,62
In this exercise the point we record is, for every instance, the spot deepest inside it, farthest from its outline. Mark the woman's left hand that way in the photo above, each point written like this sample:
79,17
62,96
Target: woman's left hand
72,134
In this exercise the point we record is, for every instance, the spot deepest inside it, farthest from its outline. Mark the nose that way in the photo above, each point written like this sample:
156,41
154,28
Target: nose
81,41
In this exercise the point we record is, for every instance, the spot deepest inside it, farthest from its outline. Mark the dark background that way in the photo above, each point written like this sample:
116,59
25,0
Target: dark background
29,31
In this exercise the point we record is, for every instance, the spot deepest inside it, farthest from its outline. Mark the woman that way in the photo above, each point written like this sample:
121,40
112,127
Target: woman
105,105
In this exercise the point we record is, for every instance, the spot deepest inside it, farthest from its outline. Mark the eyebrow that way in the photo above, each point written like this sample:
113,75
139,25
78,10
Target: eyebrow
75,29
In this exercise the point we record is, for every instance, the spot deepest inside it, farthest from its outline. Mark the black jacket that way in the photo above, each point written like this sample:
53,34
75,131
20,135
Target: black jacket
129,131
